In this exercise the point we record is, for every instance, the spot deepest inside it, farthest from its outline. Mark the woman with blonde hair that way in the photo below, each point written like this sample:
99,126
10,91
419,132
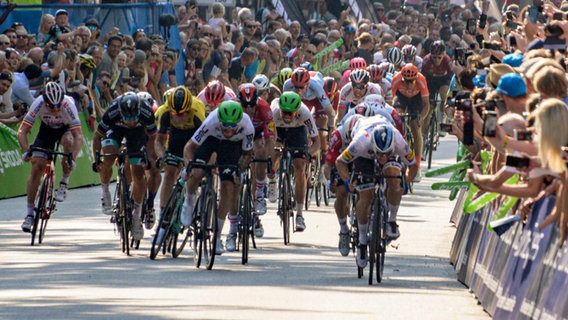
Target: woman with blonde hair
47,20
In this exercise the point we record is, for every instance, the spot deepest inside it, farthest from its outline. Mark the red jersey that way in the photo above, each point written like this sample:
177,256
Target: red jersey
430,69
335,147
263,120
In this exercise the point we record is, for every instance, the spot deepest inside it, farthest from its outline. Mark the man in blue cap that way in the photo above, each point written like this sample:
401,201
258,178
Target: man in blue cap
514,91
348,49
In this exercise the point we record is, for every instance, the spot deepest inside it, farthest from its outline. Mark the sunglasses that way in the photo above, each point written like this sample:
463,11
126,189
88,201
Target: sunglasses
228,125
359,86
130,119
288,113
20,36
207,34
250,26
94,28
300,87
4,43
381,154
406,81
310,52
139,30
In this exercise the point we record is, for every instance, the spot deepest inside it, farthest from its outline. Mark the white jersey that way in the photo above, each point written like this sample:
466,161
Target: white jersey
348,100
314,91
361,146
303,118
385,85
385,111
68,116
211,127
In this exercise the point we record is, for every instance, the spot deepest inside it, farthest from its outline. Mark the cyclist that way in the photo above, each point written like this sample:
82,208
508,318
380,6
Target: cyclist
354,92
394,56
59,122
263,148
339,140
374,104
374,139
411,95
331,90
409,56
131,118
213,94
437,69
377,76
354,64
229,133
266,90
294,123
281,78
181,115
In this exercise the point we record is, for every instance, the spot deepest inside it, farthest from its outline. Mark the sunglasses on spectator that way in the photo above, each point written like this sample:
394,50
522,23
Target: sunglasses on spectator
287,113
94,28
359,86
310,52
207,34
5,43
21,36
228,125
250,26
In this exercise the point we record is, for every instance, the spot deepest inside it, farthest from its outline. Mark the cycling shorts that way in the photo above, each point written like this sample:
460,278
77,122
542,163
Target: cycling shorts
136,139
46,138
228,153
413,106
294,138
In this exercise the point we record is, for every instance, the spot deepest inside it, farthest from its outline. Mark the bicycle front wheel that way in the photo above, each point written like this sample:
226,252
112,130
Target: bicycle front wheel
374,238
246,223
285,206
40,207
209,229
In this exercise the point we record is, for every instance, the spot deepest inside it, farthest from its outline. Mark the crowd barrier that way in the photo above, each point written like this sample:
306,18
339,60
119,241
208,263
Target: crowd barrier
520,274
14,171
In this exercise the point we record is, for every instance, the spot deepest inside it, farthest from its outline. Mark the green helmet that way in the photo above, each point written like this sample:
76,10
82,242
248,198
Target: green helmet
230,112
284,75
290,101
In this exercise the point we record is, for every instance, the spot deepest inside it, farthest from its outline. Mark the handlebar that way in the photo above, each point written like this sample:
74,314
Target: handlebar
54,152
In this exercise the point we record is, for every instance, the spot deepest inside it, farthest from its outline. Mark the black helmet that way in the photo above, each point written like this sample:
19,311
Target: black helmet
129,106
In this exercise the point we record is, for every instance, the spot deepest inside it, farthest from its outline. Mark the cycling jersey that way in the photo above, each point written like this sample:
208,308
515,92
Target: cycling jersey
263,120
68,116
386,111
194,120
418,62
346,96
385,85
361,147
229,95
430,69
419,88
211,127
303,119
336,146
314,93
112,119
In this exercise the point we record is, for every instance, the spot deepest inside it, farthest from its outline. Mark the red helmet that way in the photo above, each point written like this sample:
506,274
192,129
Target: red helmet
215,92
409,71
375,72
300,77
247,95
357,63
329,86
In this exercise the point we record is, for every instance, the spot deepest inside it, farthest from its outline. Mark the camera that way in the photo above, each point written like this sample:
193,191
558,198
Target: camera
482,20
490,46
511,24
464,104
493,104
522,135
446,127
167,20
516,161
489,123
471,26
461,54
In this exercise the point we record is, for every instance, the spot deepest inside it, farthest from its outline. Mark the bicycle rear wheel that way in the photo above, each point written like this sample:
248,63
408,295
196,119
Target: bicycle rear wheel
124,218
48,210
162,232
432,138
209,229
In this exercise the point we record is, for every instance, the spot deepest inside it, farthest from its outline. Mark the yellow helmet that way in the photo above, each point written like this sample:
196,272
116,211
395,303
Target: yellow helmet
180,100
167,94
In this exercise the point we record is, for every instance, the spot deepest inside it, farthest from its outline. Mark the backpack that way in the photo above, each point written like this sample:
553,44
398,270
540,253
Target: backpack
259,13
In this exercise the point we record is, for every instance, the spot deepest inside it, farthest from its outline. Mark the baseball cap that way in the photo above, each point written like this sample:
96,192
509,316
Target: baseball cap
512,59
61,11
512,85
92,22
349,29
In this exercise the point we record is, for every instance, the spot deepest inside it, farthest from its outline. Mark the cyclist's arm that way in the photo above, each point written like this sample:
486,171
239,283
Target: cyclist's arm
189,150
315,145
425,108
341,165
77,141
23,136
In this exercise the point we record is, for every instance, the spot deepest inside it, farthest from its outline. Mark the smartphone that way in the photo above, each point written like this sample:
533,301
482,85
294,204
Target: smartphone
522,135
511,24
228,28
490,46
534,14
464,104
460,55
511,41
471,26
482,20
446,127
516,161
489,123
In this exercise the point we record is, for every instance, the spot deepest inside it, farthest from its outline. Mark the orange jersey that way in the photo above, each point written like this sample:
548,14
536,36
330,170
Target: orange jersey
419,87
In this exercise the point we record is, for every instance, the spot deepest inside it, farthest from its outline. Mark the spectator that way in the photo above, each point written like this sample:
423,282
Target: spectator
21,84
238,64
218,20
21,41
238,40
217,61
108,63
191,53
60,31
249,29
7,113
102,92
348,48
94,27
124,73
13,59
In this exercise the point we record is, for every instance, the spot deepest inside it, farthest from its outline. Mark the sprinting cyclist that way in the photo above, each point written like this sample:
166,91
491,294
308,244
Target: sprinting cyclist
331,90
294,123
374,104
59,122
437,69
182,114
409,56
266,90
354,92
229,133
374,139
411,95
132,118
354,64
377,76
339,140
263,148
213,94
281,78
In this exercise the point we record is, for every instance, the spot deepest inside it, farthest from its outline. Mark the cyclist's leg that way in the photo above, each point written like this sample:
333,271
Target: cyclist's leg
393,194
228,153
366,194
263,149
341,207
66,142
297,138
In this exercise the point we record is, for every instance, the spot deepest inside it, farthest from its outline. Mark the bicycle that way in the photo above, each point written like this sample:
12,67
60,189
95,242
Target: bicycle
123,204
406,118
286,198
432,138
315,187
354,230
45,204
246,217
205,218
169,229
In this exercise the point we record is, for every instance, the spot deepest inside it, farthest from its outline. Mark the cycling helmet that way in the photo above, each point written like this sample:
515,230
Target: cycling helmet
357,63
146,97
307,65
409,71
261,82
87,61
214,92
346,129
284,75
437,48
300,77
290,101
382,139
387,67
230,112
394,56
364,110
53,94
180,101
329,86
129,106
375,72
359,76
409,51
167,94
374,101
247,95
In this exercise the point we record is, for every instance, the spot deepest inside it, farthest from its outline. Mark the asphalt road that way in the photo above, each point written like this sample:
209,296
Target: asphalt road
79,271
